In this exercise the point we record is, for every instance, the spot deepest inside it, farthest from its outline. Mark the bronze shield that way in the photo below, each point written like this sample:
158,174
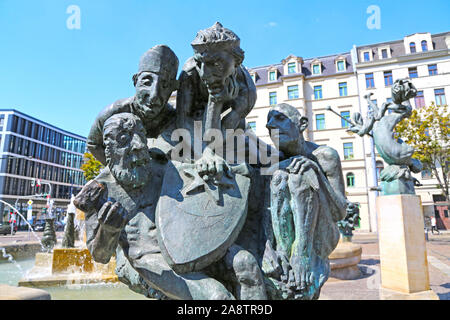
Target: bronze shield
197,221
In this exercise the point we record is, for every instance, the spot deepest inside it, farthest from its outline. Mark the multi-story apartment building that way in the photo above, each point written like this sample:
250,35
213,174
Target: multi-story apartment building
425,60
311,85
31,149
341,81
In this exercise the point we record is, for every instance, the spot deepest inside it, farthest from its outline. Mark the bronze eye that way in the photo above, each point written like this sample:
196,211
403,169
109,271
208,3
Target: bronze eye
146,81
123,138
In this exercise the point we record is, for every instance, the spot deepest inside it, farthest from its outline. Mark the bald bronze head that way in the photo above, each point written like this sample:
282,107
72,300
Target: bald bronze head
286,126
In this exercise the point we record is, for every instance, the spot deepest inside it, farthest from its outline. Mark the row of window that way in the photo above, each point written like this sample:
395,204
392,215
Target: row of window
318,94
320,120
33,169
38,132
370,82
423,44
419,99
17,186
385,54
292,94
316,69
39,151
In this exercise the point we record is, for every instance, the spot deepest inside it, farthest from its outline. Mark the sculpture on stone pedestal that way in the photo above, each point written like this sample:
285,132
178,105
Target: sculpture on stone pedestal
195,226
347,225
395,178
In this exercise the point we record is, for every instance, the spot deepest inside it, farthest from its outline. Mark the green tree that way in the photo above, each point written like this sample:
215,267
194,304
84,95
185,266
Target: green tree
91,167
428,131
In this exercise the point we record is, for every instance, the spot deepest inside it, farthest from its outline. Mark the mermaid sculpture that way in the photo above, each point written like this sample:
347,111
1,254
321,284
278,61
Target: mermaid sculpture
395,178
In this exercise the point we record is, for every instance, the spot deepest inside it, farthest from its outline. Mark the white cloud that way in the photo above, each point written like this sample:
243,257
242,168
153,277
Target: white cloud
272,24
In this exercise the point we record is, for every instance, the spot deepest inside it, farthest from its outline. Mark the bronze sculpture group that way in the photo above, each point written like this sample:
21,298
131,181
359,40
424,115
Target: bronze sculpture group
197,225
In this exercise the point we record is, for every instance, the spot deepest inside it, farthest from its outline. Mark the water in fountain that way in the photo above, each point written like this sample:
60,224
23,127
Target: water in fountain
30,228
10,259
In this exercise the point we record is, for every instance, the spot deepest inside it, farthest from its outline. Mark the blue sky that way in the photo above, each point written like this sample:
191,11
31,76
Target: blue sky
65,77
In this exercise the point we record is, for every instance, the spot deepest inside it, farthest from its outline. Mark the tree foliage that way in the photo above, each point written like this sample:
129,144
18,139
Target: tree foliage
428,131
91,167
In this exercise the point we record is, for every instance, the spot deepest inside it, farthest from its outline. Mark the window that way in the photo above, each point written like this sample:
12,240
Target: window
320,121
348,150
412,47
346,115
380,167
341,65
384,53
388,78
316,69
350,177
424,45
317,92
253,75
439,96
366,56
343,89
291,67
272,98
432,69
413,72
419,100
272,76
293,92
252,125
369,81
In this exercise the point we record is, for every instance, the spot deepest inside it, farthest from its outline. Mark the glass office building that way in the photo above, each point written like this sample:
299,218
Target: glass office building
32,150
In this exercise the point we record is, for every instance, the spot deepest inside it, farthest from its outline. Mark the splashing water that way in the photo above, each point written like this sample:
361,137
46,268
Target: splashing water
11,259
29,225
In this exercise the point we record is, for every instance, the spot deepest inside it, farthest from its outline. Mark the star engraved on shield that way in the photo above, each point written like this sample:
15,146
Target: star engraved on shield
211,186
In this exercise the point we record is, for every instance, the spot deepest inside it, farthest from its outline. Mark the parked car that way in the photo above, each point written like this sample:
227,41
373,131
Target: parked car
5,228
39,225
59,226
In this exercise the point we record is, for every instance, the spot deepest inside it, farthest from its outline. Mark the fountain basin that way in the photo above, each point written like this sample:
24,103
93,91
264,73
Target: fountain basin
66,266
18,293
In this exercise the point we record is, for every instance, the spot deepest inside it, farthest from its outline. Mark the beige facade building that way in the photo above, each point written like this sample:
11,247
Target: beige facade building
341,81
425,60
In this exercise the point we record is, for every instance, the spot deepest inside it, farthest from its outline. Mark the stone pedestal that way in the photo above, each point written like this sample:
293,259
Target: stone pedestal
402,246
344,261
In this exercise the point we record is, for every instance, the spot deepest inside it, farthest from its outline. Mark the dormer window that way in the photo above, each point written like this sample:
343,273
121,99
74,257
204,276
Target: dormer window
412,47
316,69
424,45
272,76
292,64
292,68
366,56
341,65
384,54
